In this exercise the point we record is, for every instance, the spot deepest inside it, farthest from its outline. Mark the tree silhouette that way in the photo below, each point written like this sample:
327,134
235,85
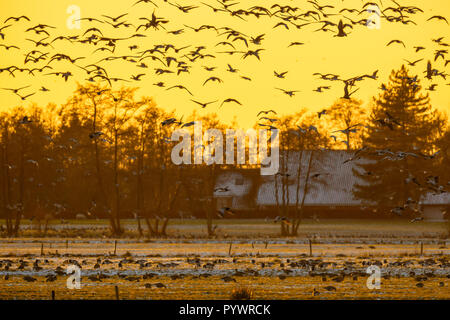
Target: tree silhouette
401,120
298,146
345,113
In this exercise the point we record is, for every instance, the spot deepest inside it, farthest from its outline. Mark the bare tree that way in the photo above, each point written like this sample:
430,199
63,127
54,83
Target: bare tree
345,113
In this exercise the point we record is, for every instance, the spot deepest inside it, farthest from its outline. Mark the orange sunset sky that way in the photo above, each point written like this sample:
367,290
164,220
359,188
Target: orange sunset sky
362,52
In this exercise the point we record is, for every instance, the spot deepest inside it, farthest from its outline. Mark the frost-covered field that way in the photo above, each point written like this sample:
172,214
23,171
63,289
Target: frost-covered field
210,269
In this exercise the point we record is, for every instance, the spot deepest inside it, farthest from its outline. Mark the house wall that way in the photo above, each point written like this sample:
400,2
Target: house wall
435,213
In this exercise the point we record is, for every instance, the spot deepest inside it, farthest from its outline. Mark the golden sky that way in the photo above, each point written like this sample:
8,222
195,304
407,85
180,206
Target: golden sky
361,52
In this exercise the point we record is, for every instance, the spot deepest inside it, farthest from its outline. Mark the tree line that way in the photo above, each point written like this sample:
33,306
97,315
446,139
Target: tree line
106,154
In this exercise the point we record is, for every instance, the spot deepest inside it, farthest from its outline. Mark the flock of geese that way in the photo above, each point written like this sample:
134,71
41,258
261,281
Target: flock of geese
330,272
167,58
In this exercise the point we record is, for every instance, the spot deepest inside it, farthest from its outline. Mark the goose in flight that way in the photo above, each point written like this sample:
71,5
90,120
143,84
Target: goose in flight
290,93
319,89
225,210
396,41
16,90
222,189
25,120
280,75
116,18
412,64
9,47
313,128
184,9
203,105
23,98
95,135
231,69
137,77
418,48
439,18
252,53
180,87
282,220
171,121
271,127
213,79
230,100
266,112
295,44
188,124
321,113
16,19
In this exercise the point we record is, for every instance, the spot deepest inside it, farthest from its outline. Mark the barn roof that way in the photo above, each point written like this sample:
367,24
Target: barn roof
436,199
332,187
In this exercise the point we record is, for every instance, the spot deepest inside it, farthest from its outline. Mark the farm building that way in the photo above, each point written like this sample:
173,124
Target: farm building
436,207
328,193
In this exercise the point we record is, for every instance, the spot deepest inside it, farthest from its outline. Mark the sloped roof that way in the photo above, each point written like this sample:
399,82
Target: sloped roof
436,199
333,186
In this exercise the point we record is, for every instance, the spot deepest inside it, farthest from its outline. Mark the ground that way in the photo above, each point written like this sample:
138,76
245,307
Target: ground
413,259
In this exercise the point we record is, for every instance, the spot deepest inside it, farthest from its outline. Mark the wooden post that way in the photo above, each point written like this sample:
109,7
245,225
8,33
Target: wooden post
117,292
421,248
229,249
53,294
115,247
310,247
266,244
42,248
253,245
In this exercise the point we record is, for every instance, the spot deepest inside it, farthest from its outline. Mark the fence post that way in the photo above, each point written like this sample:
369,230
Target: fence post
117,292
310,247
229,249
115,247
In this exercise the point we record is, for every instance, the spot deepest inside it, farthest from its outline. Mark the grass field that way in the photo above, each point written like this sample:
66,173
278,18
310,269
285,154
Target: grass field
252,228
211,270
414,261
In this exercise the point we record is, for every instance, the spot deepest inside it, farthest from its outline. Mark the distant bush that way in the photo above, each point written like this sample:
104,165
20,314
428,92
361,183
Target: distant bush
241,293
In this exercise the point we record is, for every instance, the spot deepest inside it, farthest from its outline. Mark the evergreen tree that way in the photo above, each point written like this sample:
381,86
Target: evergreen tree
401,120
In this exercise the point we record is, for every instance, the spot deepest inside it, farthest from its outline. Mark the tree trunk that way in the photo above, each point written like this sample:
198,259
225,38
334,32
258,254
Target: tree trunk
305,188
101,188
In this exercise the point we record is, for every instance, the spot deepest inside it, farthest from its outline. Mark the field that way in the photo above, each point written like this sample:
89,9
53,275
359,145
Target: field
413,259
250,229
